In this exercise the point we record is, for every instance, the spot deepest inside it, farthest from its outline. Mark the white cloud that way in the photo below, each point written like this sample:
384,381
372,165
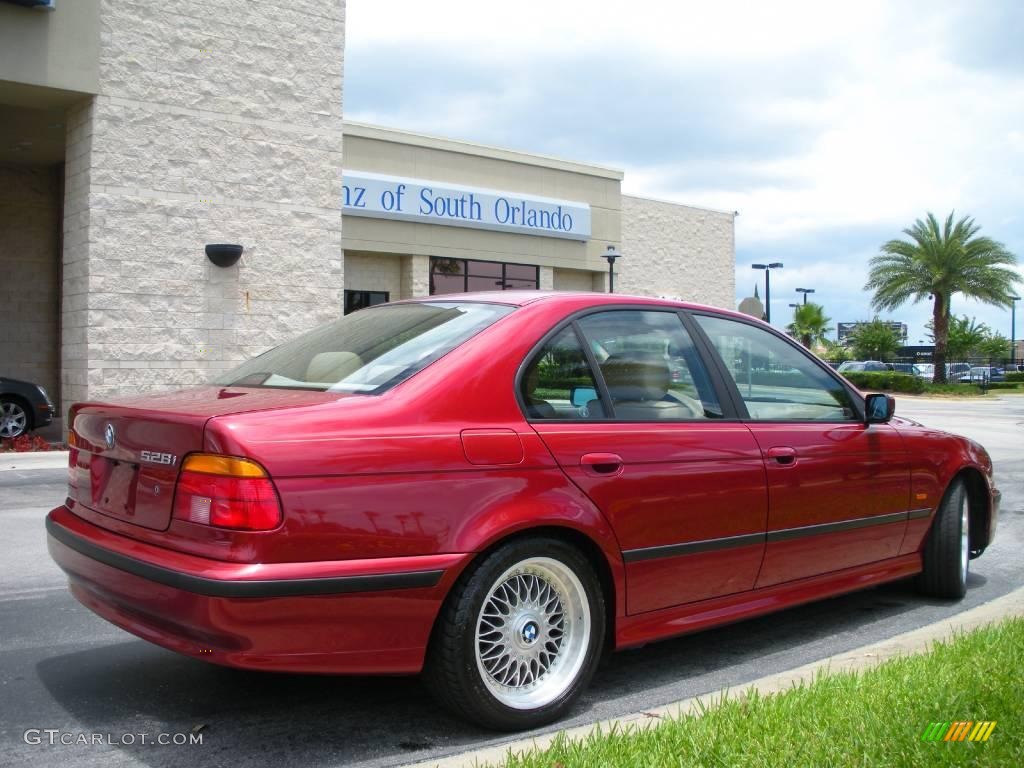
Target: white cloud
813,120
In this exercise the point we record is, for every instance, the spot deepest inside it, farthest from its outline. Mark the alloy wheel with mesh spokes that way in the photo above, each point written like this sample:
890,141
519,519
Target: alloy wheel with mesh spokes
519,636
532,633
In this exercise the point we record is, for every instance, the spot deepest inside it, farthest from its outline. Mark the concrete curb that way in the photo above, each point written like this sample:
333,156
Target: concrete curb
915,641
33,460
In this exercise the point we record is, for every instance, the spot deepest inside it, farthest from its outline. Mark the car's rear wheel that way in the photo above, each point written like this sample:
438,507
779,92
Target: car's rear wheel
14,418
947,551
519,637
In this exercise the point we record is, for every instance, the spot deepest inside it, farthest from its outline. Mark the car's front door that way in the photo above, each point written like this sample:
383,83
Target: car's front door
627,407
838,490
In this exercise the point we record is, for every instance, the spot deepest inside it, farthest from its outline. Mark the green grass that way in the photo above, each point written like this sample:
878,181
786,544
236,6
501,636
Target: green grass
872,718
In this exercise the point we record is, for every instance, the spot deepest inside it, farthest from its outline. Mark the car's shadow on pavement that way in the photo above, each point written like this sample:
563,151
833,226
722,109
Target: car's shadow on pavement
250,718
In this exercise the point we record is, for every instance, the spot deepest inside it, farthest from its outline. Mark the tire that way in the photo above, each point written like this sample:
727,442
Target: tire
15,418
947,551
522,667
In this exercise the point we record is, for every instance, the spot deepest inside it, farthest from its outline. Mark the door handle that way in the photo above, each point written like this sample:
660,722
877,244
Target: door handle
783,455
601,464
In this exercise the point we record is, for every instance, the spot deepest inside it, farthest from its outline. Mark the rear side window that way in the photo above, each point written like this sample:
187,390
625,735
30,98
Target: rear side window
558,383
647,363
367,352
650,366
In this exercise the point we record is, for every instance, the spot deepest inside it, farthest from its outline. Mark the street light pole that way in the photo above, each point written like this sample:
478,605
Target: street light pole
767,286
805,291
1013,328
611,254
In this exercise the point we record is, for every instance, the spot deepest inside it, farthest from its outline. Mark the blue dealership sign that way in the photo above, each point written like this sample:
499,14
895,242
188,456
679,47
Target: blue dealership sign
405,199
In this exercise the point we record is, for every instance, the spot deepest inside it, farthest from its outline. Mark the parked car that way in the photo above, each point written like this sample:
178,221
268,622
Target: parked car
24,406
924,371
855,366
492,489
983,374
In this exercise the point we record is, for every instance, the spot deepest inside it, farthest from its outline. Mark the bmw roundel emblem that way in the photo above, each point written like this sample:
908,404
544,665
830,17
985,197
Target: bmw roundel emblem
109,435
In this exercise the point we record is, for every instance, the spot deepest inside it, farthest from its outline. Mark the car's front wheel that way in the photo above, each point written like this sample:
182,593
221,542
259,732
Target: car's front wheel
14,418
519,637
947,551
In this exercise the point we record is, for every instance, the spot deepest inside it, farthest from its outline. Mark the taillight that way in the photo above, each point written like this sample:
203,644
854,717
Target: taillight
226,492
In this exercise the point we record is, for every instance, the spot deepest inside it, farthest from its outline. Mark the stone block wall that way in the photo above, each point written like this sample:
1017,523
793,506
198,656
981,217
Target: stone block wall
29,262
215,122
677,252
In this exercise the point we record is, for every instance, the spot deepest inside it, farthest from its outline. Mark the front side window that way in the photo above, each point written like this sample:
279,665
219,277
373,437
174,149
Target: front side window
776,381
367,352
650,366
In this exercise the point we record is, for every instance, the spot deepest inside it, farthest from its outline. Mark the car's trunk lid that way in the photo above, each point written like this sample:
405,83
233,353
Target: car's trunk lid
127,453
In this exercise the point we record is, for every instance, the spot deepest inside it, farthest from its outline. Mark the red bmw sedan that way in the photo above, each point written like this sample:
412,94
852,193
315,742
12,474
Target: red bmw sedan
494,489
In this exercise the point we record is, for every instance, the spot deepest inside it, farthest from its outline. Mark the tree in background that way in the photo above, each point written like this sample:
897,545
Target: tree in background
969,338
936,262
963,336
810,324
874,341
996,347
836,351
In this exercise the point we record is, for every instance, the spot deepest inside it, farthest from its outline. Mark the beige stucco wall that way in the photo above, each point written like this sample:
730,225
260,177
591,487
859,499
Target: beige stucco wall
400,153
578,280
374,272
29,260
57,49
677,251
208,127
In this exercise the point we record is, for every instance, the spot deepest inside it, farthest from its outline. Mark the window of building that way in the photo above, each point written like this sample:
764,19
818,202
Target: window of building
355,300
463,275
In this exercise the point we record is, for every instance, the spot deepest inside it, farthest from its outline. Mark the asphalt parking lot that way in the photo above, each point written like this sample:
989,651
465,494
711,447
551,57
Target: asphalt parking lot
64,669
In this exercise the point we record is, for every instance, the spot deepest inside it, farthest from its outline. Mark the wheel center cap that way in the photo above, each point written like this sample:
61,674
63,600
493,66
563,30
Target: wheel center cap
530,631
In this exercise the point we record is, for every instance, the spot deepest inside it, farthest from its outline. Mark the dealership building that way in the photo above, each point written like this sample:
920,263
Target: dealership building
134,134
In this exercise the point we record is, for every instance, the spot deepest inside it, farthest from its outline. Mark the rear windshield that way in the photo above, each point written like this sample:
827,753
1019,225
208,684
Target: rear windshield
369,351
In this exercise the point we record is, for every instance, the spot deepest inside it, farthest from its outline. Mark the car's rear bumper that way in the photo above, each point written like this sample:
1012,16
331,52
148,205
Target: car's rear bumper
347,616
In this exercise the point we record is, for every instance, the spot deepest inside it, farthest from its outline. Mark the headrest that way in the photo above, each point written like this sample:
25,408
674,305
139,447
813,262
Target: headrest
332,367
637,377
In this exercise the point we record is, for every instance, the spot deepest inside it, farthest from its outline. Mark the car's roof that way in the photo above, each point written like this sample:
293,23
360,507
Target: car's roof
522,298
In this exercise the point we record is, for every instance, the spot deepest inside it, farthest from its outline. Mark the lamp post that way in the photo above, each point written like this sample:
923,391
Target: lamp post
805,291
1013,328
767,286
611,254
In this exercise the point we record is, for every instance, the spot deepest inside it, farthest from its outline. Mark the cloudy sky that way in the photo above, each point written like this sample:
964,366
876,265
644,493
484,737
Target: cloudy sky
829,128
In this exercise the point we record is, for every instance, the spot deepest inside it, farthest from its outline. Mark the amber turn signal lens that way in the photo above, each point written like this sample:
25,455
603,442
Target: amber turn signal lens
211,464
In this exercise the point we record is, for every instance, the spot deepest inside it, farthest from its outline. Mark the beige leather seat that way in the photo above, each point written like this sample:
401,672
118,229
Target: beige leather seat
638,385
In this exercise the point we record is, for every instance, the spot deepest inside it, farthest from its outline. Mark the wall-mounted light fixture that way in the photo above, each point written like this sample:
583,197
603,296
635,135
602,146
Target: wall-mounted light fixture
224,254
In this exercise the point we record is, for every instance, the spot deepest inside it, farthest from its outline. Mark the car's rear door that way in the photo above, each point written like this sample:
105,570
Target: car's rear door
626,404
838,490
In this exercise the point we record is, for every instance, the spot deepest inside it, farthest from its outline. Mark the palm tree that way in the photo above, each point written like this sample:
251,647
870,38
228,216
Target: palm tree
809,324
937,262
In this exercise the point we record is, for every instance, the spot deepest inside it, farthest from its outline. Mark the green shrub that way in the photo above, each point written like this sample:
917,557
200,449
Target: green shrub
1006,384
1015,376
889,381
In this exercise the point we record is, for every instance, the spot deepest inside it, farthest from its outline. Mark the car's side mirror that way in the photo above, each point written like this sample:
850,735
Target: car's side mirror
879,408
580,396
